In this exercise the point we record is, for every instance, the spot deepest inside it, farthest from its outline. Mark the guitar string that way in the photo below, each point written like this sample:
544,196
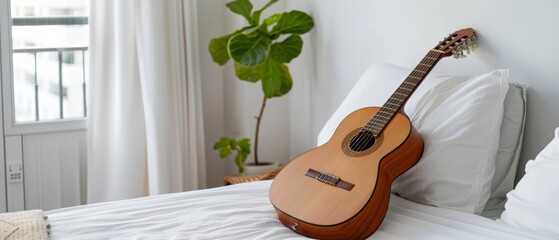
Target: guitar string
430,59
362,139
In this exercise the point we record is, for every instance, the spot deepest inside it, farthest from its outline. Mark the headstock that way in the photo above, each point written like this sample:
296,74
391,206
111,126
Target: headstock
457,43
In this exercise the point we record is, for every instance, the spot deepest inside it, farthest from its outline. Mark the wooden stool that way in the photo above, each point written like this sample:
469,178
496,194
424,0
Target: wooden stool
243,179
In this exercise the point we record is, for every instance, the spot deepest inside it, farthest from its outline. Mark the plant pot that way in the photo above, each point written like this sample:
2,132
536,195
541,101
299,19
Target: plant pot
251,169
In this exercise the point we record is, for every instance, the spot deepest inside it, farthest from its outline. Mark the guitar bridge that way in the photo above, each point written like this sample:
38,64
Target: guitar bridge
329,179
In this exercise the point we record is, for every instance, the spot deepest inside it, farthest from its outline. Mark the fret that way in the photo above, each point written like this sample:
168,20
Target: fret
382,114
415,70
408,83
368,129
425,64
394,101
429,61
393,104
414,77
372,128
409,89
383,117
431,58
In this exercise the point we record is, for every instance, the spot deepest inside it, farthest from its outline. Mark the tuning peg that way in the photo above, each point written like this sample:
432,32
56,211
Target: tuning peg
474,42
464,47
456,53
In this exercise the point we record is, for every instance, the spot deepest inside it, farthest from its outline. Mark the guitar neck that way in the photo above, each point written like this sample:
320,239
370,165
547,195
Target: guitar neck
402,94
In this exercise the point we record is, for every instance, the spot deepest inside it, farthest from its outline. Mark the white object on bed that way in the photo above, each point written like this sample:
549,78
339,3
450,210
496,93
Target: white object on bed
243,211
459,118
534,203
23,225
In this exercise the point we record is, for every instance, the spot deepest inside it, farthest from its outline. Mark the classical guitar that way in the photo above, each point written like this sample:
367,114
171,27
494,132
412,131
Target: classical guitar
341,190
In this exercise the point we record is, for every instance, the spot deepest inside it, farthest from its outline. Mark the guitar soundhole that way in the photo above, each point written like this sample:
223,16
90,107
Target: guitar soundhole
362,141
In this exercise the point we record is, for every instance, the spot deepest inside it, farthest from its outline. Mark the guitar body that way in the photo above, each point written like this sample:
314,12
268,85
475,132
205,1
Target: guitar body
330,211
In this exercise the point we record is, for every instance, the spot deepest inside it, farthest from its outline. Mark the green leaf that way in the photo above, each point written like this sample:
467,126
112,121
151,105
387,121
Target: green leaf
224,152
249,50
223,142
251,74
241,7
272,19
249,30
239,161
223,146
294,22
218,49
286,81
287,50
244,145
256,14
271,78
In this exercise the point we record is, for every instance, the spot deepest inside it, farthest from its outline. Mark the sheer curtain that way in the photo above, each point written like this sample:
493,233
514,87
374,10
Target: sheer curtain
145,133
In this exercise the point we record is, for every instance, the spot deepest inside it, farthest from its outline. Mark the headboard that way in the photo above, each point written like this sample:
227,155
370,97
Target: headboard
349,35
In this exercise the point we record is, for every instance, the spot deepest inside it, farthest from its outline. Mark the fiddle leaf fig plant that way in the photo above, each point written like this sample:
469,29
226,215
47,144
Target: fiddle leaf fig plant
261,50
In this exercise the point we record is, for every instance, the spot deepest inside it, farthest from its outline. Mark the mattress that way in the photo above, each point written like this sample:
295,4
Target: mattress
244,211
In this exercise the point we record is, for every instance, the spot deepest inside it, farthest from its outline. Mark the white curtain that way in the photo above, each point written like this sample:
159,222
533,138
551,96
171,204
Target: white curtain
145,133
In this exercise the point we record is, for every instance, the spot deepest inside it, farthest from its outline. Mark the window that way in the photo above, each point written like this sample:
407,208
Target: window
48,52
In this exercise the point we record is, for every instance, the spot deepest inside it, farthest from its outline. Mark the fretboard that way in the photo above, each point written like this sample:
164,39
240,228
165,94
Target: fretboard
402,94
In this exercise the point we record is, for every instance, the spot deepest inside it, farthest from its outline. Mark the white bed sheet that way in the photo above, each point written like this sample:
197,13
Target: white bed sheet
243,211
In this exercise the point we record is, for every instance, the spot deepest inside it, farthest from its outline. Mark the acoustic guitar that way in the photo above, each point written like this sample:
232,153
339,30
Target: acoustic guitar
341,190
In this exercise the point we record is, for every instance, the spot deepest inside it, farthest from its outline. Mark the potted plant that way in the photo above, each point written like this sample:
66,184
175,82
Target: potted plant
260,52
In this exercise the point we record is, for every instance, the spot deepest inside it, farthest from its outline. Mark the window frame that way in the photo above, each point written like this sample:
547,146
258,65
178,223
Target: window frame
11,127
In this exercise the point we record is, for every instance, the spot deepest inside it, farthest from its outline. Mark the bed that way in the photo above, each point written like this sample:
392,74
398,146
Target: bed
243,211
466,204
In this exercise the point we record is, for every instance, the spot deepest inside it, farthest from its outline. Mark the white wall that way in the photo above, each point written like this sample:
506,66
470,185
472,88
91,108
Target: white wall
515,34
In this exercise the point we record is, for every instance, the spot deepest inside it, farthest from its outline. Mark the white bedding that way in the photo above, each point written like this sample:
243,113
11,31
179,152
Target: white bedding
243,211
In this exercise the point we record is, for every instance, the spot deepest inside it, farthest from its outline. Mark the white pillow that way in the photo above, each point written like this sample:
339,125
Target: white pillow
534,203
508,155
459,118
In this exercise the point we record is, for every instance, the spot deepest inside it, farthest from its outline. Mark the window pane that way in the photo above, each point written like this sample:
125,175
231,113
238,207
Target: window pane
45,8
24,86
73,78
47,80
49,38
